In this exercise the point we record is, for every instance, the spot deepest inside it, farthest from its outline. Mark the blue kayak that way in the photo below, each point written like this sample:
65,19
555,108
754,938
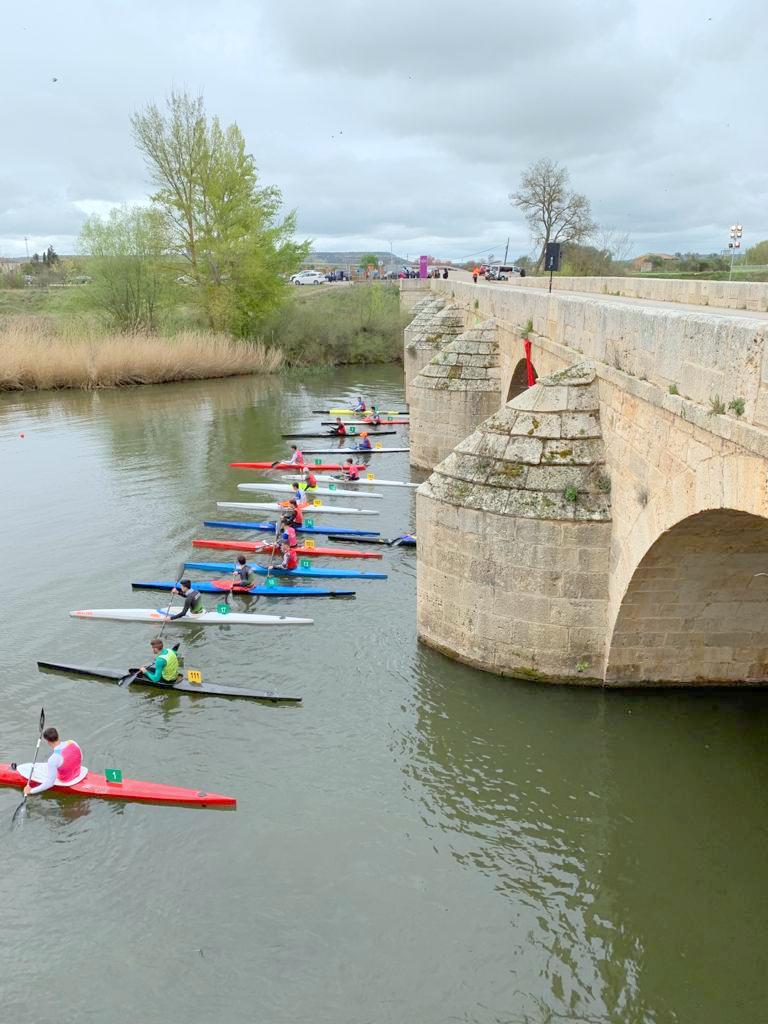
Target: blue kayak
322,574
274,591
271,527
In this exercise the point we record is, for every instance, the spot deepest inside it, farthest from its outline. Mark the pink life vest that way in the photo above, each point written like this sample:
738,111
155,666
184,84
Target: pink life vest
71,760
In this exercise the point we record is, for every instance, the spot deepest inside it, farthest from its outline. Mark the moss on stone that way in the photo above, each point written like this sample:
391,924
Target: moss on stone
564,453
454,372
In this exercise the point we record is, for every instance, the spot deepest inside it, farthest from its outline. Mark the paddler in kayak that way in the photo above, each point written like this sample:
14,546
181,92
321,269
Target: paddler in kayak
298,497
359,405
166,664
338,429
365,443
289,536
246,577
350,470
293,516
64,765
375,416
290,558
309,481
296,459
193,601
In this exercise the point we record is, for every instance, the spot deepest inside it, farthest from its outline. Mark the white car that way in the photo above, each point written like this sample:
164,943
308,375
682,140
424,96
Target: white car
308,277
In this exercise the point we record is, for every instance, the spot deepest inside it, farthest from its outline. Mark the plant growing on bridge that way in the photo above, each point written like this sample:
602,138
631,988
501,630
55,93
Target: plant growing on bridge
716,406
571,494
554,212
604,483
673,389
737,406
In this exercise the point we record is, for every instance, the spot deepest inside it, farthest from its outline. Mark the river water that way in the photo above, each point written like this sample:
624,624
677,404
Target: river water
418,842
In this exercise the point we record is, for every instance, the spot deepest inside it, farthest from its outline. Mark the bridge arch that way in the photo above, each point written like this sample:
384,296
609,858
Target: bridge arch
694,610
519,381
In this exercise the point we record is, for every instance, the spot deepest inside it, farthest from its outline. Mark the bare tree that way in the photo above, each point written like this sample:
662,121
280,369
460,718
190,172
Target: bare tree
554,213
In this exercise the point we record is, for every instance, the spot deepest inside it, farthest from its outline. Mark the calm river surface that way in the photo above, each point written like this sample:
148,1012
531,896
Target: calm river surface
417,843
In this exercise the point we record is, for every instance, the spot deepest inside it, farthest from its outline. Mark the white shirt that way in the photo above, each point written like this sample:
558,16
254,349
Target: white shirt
55,761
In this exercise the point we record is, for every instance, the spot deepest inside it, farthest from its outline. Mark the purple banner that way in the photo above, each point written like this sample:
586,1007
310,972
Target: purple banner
423,264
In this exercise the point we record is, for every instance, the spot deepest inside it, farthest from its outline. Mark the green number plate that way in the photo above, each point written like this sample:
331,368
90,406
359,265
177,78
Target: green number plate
353,430
331,487
309,522
222,608
305,563
113,774
318,462
271,581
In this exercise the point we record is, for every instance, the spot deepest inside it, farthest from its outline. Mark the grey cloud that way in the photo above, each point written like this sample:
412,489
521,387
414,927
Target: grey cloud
409,124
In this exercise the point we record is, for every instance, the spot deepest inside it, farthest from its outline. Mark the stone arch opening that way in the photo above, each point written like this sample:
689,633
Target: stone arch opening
694,611
519,382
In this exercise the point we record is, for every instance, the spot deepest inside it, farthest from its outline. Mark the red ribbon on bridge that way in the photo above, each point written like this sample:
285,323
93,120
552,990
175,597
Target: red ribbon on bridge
528,363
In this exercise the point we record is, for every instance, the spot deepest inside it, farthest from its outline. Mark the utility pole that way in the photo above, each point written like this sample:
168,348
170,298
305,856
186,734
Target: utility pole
735,243
26,246
506,252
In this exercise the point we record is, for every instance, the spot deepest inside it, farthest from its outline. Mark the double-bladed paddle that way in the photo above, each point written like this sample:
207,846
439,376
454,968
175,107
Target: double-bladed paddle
23,804
127,680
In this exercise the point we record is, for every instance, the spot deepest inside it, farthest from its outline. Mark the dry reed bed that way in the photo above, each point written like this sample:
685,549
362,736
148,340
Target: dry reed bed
35,356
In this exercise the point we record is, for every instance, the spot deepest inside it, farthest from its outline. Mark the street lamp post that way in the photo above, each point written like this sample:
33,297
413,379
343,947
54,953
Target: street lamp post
735,243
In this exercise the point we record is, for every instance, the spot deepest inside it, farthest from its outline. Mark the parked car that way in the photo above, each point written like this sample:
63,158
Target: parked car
308,277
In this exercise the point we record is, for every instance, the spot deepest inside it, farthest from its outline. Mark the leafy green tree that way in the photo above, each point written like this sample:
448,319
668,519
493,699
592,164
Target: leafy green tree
132,279
757,254
369,259
220,220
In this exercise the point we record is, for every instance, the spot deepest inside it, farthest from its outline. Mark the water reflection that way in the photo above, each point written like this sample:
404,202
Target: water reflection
577,805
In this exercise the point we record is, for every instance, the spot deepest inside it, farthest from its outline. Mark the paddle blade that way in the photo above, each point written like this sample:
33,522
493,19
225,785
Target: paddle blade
42,720
20,813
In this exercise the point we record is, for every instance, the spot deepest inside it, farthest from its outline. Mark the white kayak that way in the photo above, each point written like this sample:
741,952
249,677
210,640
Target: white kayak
308,510
203,619
287,489
362,481
377,450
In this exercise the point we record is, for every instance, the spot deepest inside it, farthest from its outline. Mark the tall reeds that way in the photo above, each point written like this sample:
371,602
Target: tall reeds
36,355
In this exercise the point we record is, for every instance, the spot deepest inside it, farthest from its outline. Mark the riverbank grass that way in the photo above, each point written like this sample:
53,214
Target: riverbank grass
33,357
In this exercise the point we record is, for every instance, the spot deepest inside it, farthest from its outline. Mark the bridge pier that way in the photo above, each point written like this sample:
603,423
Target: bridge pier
623,555
458,389
428,332
514,538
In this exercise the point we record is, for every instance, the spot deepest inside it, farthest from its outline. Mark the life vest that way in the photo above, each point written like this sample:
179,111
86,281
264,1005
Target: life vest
341,430
289,534
365,444
298,516
311,480
71,760
171,670
197,603
290,559
353,473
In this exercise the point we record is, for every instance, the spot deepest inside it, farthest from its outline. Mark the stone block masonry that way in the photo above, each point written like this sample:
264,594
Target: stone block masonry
514,538
425,336
458,389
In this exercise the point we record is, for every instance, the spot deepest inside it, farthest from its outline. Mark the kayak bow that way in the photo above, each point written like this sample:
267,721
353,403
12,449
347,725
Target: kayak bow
261,547
267,527
308,510
129,789
181,685
326,574
203,619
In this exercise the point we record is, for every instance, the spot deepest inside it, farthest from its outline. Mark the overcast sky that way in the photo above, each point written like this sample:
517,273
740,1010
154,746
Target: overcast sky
402,123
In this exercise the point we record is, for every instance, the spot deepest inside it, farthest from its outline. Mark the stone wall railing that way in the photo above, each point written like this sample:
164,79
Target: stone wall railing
720,294
704,357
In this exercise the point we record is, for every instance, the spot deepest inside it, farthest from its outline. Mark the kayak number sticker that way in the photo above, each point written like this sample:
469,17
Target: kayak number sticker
317,503
113,774
353,430
318,462
310,522
222,608
271,581
305,563
309,545
331,487
369,476
194,675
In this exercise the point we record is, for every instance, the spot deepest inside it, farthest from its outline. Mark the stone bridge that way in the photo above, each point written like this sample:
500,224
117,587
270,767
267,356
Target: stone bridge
607,525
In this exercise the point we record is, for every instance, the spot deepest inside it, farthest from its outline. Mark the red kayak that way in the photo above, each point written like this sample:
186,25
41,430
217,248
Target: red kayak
129,789
292,465
262,548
